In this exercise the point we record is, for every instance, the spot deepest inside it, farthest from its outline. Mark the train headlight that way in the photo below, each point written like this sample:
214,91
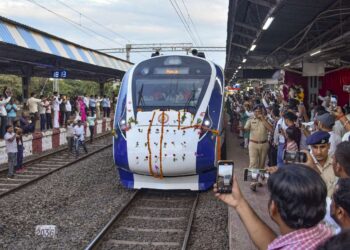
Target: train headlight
122,122
207,123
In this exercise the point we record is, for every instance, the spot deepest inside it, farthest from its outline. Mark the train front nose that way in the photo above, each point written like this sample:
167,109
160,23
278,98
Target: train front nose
163,144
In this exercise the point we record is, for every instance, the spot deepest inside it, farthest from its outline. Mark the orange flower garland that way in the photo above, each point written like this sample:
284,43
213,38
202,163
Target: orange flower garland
161,148
149,147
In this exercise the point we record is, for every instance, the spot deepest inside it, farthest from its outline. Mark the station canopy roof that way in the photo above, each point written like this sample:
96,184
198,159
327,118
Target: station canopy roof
28,51
301,30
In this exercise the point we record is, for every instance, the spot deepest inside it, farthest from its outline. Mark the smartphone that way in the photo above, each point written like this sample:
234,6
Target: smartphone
294,156
224,176
333,106
279,128
253,174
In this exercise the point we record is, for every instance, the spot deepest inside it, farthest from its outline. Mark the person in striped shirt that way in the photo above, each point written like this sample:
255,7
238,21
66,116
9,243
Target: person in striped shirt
297,205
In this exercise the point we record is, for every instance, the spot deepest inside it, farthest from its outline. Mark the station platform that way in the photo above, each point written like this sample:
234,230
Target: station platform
238,236
40,143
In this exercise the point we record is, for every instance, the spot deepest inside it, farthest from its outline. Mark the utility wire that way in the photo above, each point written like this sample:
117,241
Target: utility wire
92,20
193,25
77,25
188,26
183,21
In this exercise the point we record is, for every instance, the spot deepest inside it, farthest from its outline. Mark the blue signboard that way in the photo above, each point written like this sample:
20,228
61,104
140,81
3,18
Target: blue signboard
59,74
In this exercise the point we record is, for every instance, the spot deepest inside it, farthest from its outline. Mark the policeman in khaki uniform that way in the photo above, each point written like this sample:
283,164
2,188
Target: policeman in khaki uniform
320,160
258,143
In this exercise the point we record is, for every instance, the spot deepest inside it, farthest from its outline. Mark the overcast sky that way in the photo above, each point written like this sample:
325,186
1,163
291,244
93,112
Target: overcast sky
138,21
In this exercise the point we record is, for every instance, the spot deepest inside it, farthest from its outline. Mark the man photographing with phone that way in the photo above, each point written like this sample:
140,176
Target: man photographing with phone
297,205
258,144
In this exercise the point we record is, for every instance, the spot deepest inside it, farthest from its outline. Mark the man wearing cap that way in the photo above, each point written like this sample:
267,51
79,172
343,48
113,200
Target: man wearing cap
258,144
325,122
326,99
320,160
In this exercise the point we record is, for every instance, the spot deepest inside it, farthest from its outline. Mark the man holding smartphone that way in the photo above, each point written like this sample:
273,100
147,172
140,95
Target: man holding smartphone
297,205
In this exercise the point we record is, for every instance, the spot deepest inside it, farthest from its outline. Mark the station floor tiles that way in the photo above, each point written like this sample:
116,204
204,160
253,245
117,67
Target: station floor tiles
238,236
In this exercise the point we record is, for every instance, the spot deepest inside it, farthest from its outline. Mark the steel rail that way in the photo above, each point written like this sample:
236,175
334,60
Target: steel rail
190,223
98,239
52,152
41,176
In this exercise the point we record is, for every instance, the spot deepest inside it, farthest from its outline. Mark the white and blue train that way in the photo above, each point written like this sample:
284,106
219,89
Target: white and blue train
169,124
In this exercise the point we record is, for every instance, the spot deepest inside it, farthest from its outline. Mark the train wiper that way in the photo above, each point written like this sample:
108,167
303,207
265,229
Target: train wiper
191,98
140,98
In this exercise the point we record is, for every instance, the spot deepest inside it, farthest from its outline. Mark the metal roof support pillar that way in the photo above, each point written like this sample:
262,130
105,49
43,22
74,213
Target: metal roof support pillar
25,88
27,74
127,50
102,88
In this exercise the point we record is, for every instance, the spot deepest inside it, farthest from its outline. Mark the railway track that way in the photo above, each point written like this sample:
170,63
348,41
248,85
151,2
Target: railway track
45,165
151,219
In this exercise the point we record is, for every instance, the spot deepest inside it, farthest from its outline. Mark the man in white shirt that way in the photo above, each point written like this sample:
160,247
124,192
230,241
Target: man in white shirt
108,101
325,99
11,148
79,138
42,112
86,102
279,139
56,109
33,104
3,115
68,110
104,105
326,123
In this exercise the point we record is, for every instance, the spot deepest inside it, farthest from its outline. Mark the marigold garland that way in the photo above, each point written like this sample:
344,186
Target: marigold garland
198,126
161,147
148,145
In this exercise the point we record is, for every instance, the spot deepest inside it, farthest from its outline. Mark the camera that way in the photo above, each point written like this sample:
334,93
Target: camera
310,126
279,128
224,176
253,174
333,106
346,88
294,157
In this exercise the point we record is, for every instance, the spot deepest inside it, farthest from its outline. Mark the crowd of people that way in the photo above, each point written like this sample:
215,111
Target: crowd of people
50,112
306,152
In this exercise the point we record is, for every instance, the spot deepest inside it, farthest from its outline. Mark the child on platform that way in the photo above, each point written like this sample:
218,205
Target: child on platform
11,148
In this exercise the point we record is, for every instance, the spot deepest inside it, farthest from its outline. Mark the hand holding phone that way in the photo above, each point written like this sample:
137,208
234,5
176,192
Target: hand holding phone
294,156
224,178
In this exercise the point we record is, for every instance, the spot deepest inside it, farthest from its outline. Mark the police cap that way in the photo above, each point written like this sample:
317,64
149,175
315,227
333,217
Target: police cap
319,137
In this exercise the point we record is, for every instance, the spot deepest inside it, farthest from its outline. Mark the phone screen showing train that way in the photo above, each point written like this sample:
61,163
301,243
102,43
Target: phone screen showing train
224,176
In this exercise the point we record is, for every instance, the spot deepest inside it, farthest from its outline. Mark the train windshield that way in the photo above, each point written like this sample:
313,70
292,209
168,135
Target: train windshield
170,83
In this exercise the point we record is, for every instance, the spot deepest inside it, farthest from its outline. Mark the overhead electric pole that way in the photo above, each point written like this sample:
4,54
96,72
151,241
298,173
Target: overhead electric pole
161,47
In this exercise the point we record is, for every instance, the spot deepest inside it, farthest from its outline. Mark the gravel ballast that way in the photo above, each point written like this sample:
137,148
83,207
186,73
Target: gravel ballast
79,200
209,229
